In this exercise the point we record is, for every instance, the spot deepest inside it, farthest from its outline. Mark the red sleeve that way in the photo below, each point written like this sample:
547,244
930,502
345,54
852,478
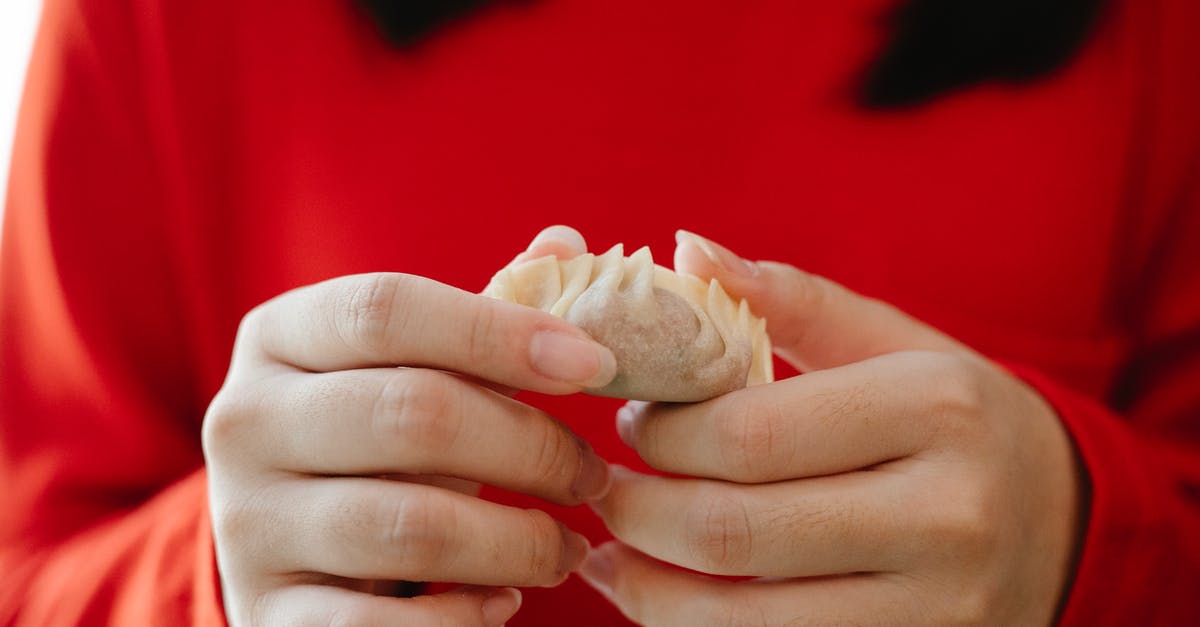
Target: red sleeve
103,499
1140,561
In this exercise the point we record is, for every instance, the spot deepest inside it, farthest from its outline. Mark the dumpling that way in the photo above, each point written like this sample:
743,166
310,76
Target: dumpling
675,337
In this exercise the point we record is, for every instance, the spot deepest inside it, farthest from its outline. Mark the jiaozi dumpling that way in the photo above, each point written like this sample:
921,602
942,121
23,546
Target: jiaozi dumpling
675,337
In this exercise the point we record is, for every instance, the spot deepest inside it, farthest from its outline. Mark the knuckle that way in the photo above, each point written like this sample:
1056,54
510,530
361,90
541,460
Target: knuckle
558,457
481,343
751,440
368,309
235,520
965,526
418,409
717,534
953,398
651,436
958,394
807,295
543,559
417,530
229,523
227,420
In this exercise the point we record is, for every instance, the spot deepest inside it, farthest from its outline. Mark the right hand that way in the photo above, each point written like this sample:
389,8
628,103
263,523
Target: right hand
345,448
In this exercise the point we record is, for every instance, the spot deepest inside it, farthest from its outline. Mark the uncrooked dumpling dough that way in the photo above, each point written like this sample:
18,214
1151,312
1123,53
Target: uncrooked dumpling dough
675,337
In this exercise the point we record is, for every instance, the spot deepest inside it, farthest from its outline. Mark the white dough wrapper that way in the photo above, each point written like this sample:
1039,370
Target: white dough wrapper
675,337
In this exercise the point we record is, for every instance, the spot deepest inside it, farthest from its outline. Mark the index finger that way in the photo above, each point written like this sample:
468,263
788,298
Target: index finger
814,323
388,319
819,423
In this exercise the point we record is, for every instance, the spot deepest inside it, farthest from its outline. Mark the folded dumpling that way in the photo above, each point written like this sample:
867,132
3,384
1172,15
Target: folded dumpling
675,337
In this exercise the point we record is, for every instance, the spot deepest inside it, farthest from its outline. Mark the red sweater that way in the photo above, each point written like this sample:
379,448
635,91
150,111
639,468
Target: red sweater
179,162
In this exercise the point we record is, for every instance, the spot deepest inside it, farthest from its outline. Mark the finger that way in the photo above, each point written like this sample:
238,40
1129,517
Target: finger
319,606
411,421
386,319
375,529
558,241
651,593
848,523
820,423
813,322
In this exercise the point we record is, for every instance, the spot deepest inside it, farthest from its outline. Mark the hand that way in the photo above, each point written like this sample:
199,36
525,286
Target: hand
902,480
333,473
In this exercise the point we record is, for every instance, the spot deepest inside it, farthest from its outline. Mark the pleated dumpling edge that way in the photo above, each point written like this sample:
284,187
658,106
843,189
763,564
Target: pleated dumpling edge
676,338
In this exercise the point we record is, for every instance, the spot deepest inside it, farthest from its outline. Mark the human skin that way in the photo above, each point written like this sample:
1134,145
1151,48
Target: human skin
346,447
902,480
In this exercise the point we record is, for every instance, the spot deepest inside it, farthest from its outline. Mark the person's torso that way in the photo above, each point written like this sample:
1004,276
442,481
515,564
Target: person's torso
311,149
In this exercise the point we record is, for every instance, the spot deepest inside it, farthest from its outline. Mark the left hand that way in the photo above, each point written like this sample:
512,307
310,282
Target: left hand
902,480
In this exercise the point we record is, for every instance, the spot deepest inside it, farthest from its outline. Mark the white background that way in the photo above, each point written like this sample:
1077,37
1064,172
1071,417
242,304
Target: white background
18,20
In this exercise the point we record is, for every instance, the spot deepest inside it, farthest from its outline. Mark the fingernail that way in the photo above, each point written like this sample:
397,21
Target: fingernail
625,425
575,549
593,479
572,359
599,571
718,254
500,607
616,472
560,234
626,416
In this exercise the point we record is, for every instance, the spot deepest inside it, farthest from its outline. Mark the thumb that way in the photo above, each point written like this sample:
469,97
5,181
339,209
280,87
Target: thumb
814,323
